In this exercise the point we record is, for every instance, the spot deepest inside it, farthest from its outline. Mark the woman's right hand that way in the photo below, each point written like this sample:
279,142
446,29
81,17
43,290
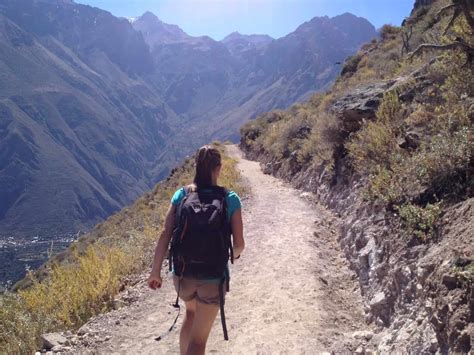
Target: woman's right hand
154,281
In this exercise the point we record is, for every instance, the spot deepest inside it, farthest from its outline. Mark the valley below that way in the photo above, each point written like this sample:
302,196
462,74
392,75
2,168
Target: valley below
18,254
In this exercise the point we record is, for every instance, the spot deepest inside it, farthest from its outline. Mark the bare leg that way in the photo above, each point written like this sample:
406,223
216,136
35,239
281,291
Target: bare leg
186,327
203,321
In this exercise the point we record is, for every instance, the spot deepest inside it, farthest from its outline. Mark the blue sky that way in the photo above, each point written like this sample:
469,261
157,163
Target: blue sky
218,18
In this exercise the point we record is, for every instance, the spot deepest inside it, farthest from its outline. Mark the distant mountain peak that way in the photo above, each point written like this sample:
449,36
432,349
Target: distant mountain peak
233,35
156,31
346,15
238,43
236,35
55,2
149,16
355,27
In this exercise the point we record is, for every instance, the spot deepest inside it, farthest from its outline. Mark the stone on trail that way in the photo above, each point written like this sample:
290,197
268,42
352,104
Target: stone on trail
306,195
83,330
450,281
53,340
378,300
367,335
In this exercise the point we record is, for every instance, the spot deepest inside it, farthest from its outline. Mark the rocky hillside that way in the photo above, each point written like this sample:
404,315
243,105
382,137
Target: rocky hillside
95,110
389,148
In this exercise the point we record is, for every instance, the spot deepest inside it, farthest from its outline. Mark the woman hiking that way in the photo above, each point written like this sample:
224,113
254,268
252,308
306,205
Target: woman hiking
200,248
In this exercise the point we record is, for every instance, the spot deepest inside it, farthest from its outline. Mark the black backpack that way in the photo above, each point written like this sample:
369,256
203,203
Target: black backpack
201,243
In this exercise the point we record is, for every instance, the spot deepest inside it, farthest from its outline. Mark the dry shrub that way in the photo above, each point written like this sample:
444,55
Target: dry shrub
252,132
445,159
351,64
318,147
388,32
71,294
285,136
373,146
75,292
420,117
20,331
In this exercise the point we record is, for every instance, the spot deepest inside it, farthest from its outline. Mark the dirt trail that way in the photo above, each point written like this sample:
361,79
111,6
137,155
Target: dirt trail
291,292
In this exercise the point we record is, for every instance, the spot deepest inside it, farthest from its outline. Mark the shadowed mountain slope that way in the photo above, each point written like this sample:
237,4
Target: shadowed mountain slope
80,132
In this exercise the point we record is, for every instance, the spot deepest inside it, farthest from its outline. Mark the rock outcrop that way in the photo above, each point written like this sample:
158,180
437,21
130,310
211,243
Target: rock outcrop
360,105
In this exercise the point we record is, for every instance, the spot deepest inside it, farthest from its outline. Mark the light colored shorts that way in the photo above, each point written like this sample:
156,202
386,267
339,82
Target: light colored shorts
202,291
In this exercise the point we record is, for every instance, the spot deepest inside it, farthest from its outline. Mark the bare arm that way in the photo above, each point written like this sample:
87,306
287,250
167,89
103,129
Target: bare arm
154,281
237,233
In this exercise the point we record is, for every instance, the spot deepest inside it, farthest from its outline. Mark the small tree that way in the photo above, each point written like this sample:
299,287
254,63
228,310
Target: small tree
406,37
458,8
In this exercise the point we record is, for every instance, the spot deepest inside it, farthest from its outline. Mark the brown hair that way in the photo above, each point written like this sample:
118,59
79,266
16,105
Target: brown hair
207,159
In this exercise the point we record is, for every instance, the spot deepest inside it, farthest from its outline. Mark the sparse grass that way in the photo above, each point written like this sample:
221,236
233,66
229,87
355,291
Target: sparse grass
465,274
85,282
318,147
230,176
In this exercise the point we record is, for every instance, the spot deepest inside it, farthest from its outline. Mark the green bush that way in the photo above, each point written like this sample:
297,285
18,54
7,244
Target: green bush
420,221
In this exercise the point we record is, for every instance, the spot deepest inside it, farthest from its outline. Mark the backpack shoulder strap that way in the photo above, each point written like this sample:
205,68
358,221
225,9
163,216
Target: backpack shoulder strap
222,191
178,212
190,188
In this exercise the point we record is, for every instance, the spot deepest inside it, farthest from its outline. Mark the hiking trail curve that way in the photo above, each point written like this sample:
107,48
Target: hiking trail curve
290,292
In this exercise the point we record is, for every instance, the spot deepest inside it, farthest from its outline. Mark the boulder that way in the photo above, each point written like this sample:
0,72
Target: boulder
363,335
450,281
461,261
53,340
361,104
379,300
410,141
267,168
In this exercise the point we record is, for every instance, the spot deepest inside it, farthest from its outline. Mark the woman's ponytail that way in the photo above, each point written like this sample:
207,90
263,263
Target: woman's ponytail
207,160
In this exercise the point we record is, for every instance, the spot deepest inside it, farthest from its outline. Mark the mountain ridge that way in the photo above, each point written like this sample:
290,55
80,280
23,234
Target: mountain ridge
111,104
58,97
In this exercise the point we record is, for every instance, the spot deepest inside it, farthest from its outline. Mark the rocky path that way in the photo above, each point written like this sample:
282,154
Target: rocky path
291,292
